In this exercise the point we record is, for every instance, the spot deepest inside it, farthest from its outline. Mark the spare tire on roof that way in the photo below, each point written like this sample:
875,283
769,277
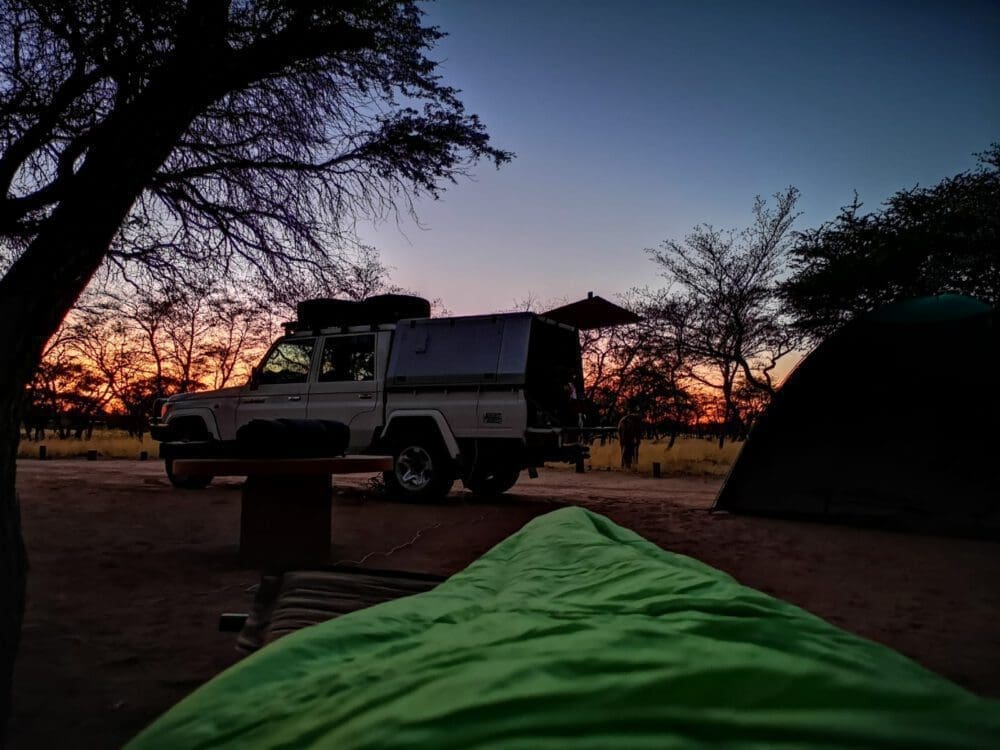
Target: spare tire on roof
319,313
381,308
388,308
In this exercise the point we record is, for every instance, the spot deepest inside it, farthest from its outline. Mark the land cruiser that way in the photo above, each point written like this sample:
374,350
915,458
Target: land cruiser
477,398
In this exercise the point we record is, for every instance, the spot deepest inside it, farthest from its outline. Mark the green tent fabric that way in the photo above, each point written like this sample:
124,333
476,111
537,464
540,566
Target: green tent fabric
575,632
890,420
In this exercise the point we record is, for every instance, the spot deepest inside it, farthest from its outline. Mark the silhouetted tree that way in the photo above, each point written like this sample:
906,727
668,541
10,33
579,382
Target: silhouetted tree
637,368
630,368
923,241
355,275
42,393
146,342
185,136
115,350
722,311
239,332
64,394
608,357
136,401
187,325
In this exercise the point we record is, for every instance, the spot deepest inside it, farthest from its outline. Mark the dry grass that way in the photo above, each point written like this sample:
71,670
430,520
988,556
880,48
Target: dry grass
107,443
687,456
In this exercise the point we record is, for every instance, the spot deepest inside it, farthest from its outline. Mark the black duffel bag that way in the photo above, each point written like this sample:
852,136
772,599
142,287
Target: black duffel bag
293,438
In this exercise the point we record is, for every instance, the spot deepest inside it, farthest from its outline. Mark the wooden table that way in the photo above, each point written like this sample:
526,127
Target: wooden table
285,512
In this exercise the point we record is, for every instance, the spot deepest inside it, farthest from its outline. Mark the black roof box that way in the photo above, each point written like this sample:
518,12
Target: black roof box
381,308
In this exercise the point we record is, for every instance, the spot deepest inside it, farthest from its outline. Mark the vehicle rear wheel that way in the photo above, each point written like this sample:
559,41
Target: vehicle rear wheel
184,481
491,481
420,470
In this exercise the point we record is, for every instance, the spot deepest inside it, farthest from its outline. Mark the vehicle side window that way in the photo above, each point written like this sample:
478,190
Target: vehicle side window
288,362
348,359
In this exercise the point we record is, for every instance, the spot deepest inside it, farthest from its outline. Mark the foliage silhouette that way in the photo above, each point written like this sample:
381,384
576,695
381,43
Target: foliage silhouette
187,138
722,310
923,241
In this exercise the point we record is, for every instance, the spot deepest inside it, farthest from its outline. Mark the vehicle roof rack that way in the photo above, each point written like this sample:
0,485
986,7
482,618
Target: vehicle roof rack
314,314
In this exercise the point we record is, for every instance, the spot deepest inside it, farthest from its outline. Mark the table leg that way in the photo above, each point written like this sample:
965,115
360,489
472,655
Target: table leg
285,522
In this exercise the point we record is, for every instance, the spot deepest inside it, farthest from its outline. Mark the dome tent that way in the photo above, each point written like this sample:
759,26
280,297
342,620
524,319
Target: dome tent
894,417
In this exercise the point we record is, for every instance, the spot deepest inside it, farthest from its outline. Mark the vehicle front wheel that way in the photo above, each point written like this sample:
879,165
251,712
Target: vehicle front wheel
493,481
186,482
421,471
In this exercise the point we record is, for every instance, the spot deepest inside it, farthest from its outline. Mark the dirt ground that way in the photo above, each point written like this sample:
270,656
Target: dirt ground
129,577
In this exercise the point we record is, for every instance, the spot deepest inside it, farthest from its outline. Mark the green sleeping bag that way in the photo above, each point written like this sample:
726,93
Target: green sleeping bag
575,632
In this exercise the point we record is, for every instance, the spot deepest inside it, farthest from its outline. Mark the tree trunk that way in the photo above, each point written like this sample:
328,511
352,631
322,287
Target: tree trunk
34,297
44,283
13,559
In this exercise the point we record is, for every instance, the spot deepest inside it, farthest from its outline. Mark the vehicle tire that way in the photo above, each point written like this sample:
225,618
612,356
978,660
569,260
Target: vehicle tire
186,482
492,481
391,308
421,470
319,313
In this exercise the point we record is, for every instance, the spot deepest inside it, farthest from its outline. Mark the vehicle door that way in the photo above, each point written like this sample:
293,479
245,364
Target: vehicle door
279,387
345,388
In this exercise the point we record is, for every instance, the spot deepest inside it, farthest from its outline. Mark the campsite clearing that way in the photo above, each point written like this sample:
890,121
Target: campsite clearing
129,576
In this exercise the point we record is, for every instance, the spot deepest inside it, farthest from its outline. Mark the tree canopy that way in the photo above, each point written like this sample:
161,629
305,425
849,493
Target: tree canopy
275,125
722,310
922,241
196,138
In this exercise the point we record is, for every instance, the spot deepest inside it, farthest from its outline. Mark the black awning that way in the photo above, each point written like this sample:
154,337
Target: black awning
592,312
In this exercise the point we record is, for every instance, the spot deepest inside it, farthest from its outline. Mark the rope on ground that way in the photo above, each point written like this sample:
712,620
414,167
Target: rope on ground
398,547
412,541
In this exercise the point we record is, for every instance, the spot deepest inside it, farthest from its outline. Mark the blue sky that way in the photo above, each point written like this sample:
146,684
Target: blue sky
634,121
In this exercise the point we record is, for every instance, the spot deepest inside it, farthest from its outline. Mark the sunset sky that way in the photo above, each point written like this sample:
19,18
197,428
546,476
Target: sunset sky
634,121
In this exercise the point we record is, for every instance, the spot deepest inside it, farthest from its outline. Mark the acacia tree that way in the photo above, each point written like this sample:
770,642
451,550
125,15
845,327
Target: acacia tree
143,341
638,367
945,238
210,331
191,135
61,385
659,382
356,275
119,352
240,330
111,350
635,367
723,308
608,356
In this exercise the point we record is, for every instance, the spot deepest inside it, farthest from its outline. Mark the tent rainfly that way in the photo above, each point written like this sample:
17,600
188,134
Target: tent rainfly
894,417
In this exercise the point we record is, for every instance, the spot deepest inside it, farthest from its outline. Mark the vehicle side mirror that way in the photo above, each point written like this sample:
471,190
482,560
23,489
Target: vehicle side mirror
254,381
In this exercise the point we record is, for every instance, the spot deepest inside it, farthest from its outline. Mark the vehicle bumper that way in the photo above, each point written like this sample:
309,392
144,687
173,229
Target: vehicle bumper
161,432
553,445
198,449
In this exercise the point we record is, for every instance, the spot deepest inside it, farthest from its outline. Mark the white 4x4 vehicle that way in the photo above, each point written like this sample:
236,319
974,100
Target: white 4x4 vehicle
477,398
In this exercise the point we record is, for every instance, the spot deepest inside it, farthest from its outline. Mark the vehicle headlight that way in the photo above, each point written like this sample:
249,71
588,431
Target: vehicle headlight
161,408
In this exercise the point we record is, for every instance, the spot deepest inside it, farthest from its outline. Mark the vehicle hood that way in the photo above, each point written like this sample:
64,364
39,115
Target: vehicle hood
230,392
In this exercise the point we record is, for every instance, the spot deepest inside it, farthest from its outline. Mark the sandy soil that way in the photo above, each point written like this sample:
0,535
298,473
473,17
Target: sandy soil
129,576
